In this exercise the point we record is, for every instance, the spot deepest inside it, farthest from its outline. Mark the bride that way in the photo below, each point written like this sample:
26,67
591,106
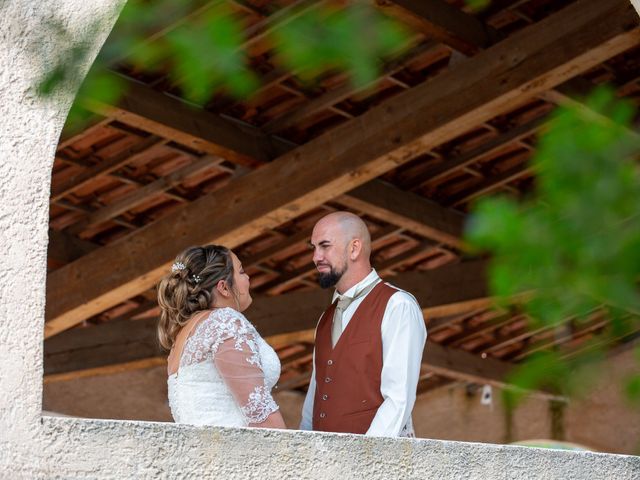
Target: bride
221,371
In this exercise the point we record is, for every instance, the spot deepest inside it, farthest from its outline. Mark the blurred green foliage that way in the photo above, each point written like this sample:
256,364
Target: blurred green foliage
571,250
352,39
203,47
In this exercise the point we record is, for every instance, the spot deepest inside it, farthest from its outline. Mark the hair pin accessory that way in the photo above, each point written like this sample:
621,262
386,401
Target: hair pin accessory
196,278
177,266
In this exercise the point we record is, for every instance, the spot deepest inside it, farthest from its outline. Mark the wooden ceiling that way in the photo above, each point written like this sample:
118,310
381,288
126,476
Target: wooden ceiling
454,118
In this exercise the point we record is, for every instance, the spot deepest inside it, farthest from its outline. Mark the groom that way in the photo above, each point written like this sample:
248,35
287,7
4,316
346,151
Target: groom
369,341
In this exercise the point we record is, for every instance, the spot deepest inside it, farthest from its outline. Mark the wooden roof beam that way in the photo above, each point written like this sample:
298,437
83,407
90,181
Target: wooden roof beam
173,119
531,61
64,248
485,328
443,22
413,254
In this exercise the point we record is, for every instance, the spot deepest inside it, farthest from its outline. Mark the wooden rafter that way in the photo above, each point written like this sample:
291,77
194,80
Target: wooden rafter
331,98
446,167
407,210
173,119
492,182
142,194
485,328
443,22
105,167
121,176
419,251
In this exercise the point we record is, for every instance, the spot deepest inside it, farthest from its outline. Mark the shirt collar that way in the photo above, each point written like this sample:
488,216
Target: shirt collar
358,287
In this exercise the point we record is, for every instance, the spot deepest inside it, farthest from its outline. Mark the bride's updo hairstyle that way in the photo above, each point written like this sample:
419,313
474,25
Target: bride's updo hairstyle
188,288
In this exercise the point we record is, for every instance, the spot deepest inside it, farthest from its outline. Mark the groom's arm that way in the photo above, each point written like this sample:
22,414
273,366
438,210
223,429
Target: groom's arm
403,338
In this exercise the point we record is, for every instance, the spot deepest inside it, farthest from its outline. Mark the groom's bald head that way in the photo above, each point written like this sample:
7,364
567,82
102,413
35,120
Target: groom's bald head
347,226
342,246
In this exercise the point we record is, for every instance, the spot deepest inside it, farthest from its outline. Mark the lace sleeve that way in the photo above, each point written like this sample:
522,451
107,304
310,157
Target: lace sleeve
228,339
220,326
240,367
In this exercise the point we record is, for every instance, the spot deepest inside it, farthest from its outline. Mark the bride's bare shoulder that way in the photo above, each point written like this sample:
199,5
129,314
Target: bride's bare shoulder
173,359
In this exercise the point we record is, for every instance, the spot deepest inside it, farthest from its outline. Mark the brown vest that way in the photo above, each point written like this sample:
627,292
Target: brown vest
347,393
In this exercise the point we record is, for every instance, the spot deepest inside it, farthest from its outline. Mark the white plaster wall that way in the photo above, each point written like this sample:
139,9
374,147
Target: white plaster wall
36,447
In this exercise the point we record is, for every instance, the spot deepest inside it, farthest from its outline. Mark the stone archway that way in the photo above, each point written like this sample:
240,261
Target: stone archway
33,446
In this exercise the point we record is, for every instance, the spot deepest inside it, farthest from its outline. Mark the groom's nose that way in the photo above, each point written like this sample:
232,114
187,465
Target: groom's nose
317,256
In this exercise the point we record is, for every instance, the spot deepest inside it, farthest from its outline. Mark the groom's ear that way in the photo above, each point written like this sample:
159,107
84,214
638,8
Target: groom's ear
355,248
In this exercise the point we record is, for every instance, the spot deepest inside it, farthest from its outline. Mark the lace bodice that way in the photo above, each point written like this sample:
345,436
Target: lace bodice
226,374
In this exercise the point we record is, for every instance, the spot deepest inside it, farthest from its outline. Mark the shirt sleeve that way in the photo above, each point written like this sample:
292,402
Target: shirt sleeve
307,408
238,362
403,338
306,423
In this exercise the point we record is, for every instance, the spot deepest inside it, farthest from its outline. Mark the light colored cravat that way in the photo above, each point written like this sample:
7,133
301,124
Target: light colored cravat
342,305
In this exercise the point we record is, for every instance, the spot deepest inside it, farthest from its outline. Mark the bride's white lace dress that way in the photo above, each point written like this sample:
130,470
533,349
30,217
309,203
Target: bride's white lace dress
225,375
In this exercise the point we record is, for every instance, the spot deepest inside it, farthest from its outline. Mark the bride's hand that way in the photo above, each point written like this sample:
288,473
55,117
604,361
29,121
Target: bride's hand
274,420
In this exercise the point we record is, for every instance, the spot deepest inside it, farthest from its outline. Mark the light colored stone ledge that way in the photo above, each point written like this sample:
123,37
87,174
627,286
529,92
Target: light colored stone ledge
80,448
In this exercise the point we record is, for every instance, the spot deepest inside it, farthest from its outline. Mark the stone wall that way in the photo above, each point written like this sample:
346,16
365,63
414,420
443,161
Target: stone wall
33,446
601,419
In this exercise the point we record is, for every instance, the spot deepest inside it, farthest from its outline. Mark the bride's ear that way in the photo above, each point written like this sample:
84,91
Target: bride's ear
223,289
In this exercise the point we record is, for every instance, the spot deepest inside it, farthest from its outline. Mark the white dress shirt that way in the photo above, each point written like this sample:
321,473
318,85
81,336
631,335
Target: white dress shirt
403,337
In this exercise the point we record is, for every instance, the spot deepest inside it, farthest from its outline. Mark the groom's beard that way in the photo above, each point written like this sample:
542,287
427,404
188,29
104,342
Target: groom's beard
330,278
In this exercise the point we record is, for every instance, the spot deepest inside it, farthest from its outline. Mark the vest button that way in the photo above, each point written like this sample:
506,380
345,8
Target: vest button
322,415
327,380
329,362
325,396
